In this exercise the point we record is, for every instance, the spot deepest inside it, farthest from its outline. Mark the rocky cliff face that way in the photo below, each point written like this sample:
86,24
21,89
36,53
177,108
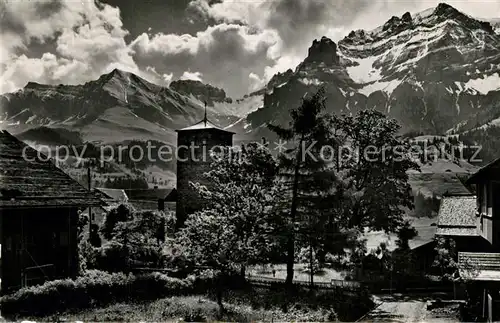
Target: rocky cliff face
118,106
203,92
435,72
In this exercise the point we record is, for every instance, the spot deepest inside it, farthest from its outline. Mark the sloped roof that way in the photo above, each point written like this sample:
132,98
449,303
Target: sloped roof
27,180
203,124
152,194
117,195
484,171
172,196
457,216
480,265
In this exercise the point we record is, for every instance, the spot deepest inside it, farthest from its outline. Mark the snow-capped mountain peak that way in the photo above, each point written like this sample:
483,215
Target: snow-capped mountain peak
431,70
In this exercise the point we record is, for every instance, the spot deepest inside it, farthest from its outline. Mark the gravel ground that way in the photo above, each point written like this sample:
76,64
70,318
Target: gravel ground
404,308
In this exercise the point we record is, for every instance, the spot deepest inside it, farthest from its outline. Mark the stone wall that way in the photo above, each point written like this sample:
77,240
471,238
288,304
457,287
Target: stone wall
193,163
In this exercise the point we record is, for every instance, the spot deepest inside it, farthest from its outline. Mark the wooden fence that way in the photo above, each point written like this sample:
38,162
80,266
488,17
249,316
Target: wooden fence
333,284
376,287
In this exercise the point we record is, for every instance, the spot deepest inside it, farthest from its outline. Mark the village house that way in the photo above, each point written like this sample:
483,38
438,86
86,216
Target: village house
150,199
473,223
112,197
39,213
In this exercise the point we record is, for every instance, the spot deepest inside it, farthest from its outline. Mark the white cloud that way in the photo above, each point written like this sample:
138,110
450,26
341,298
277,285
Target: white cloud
256,82
298,22
205,41
152,75
169,44
247,12
195,76
167,77
225,54
249,42
88,37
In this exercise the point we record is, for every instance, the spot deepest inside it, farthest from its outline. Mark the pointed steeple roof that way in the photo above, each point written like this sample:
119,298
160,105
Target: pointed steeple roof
203,124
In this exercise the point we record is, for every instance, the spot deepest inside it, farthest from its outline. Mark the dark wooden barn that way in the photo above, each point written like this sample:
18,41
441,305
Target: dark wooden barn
39,206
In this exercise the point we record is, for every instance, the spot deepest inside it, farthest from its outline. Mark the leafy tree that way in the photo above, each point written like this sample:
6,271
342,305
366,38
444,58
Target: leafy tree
308,175
446,262
405,233
238,226
446,258
309,256
402,258
365,186
374,172
127,183
122,213
133,239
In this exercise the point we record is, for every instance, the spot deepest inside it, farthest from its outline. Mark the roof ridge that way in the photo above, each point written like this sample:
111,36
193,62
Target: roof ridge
74,192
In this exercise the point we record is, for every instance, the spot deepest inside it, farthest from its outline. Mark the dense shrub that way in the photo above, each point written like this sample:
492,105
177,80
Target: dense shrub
95,288
134,239
190,309
329,304
122,213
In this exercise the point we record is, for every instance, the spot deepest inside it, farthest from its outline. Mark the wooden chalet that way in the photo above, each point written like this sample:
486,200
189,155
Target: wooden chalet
457,220
39,210
474,223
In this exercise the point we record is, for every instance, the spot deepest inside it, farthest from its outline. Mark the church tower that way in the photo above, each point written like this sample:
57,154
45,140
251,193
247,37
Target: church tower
194,144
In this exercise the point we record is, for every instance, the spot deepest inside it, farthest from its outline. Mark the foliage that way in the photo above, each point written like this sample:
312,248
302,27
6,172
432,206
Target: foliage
122,213
383,265
304,256
308,176
335,304
235,229
405,233
94,288
193,309
134,239
83,220
488,138
446,262
362,183
426,206
246,305
126,183
94,237
376,187
237,223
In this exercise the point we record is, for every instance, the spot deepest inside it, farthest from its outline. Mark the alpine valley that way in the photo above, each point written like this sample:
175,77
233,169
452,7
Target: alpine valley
437,72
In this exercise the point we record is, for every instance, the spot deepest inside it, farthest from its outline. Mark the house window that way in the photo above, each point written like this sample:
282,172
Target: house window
489,199
484,198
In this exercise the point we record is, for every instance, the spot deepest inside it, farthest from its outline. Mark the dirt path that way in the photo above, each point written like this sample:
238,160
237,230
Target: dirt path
396,311
403,308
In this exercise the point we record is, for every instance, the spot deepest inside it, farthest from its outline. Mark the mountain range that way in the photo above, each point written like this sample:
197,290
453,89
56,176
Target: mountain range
437,72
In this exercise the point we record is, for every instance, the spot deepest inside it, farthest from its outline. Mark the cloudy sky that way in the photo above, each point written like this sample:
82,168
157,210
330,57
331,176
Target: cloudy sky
233,44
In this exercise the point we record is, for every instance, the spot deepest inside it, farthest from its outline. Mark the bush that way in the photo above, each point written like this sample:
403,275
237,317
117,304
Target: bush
95,288
190,309
122,213
134,239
